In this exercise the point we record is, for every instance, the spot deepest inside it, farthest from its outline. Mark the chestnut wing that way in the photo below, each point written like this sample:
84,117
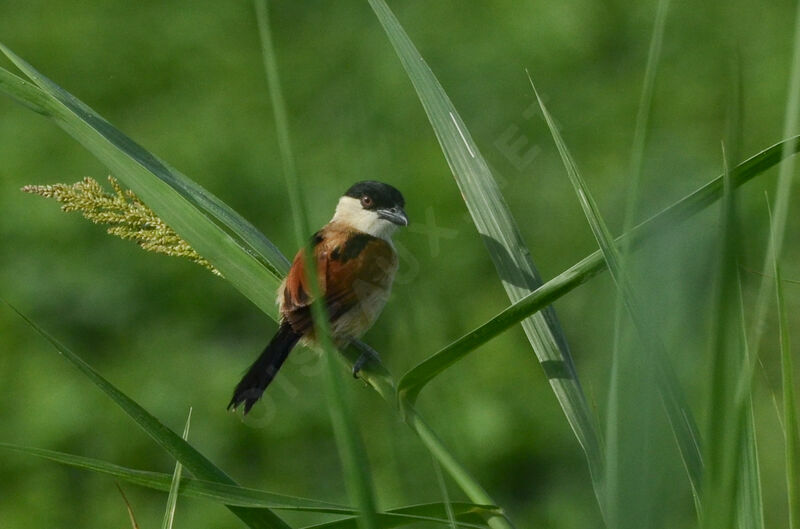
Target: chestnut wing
350,265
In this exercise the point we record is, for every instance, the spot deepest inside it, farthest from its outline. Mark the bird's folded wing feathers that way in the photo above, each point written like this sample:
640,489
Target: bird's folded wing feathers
348,266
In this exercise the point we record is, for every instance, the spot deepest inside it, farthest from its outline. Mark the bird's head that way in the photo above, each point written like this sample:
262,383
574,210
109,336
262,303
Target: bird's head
372,207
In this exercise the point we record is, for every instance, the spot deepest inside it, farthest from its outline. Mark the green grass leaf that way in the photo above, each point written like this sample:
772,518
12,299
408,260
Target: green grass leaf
182,451
588,267
790,424
195,488
627,484
172,498
678,412
445,494
259,499
749,495
724,447
352,451
497,227
783,193
247,259
411,515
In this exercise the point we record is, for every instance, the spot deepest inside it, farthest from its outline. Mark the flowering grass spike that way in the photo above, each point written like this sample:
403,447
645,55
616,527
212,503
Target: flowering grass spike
124,213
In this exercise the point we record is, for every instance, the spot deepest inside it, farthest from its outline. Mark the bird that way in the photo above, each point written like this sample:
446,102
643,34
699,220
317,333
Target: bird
355,262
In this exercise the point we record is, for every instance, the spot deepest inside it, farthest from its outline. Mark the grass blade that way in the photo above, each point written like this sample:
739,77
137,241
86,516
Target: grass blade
255,241
24,93
131,517
783,191
244,497
195,488
626,416
351,448
724,438
496,226
248,260
172,498
750,499
792,435
445,495
388,520
182,451
678,412
588,267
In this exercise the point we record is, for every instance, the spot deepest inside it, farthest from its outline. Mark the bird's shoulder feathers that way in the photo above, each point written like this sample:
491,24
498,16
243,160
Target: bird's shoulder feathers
354,270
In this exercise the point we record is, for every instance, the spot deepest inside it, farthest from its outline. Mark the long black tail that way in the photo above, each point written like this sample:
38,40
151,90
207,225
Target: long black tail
264,369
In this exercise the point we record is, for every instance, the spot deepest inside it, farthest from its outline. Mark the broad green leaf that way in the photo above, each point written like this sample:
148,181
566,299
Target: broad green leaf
182,451
497,227
678,412
591,265
348,440
172,497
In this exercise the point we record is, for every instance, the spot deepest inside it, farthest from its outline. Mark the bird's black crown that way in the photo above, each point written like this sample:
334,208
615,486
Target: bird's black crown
382,195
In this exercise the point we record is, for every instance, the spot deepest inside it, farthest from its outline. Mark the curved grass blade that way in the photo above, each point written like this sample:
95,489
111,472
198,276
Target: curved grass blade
24,93
172,498
244,497
678,412
351,447
131,517
387,520
258,244
496,226
195,488
463,515
588,267
182,451
249,261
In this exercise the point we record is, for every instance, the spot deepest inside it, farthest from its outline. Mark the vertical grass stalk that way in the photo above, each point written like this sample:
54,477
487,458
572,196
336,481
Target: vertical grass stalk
351,449
783,191
723,447
616,420
175,484
791,433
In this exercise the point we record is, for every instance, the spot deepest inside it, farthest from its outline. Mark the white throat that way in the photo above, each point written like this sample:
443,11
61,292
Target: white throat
350,213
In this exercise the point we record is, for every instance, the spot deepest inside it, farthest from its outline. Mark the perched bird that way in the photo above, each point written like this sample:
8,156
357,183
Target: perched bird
356,263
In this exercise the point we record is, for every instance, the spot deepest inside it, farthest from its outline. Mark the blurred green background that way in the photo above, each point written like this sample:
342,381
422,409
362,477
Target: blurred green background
187,82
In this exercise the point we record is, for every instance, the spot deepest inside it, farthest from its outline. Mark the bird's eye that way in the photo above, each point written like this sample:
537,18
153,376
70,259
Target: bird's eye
366,201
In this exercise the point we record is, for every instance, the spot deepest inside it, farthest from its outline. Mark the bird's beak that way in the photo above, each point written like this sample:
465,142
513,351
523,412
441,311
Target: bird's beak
395,215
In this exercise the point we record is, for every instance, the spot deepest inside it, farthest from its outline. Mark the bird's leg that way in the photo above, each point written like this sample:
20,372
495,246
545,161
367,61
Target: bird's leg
367,352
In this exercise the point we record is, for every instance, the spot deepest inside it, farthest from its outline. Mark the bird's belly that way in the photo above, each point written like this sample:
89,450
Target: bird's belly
356,321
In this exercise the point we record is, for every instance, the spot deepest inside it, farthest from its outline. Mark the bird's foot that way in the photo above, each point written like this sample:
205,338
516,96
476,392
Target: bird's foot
366,354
